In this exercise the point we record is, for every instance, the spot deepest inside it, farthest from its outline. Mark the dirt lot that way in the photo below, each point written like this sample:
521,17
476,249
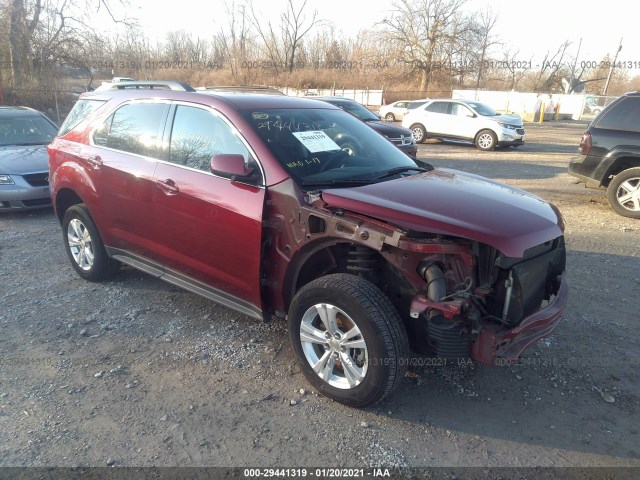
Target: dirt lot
136,372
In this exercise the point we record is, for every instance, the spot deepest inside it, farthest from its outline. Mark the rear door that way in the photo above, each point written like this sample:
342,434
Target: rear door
123,156
438,120
210,226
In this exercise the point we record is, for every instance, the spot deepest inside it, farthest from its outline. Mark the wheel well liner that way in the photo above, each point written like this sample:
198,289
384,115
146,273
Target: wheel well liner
65,199
620,165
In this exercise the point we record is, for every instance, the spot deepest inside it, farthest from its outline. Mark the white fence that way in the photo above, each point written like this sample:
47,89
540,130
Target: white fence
527,104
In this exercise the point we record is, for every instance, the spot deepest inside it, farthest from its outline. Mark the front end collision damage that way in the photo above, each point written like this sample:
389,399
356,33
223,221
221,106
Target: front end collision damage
453,293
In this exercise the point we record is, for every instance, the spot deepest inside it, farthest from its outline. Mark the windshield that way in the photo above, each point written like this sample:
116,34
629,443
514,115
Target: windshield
482,109
26,130
358,111
321,147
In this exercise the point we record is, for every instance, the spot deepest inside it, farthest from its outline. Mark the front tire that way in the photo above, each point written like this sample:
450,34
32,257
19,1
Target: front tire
419,133
390,117
348,339
84,245
623,193
486,140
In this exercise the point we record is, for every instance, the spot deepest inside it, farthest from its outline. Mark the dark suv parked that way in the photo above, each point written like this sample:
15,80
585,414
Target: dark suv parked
250,201
610,155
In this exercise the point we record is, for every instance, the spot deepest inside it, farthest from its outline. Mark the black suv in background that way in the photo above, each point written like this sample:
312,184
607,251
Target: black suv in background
399,136
610,155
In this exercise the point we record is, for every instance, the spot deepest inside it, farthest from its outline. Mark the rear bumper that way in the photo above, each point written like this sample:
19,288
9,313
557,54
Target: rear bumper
587,169
411,150
496,342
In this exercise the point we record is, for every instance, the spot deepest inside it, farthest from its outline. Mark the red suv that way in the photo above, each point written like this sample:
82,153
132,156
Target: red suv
250,201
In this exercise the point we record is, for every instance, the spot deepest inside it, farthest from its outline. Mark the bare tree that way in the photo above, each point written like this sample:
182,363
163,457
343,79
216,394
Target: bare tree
516,69
485,25
270,43
236,39
422,31
295,26
551,69
43,33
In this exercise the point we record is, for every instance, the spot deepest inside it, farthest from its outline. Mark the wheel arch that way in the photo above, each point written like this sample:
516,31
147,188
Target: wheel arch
65,198
619,165
329,256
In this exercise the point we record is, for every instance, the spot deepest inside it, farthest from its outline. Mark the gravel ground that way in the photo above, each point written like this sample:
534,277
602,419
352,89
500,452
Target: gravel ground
135,372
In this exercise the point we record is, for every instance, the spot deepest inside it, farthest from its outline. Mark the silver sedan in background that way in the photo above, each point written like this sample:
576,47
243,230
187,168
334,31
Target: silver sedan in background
24,162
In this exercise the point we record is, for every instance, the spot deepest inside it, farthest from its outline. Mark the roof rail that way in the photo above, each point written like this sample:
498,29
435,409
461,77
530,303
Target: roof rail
241,88
146,84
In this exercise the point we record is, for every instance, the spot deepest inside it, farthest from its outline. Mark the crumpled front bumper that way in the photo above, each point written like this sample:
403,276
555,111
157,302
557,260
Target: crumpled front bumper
497,342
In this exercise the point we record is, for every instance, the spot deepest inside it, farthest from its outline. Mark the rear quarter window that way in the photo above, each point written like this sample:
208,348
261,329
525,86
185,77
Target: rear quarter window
624,115
81,110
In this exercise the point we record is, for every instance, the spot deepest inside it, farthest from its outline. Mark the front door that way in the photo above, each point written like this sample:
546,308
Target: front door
210,226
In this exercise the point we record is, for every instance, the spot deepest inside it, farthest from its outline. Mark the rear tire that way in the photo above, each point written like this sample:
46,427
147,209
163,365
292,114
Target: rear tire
84,245
623,193
348,339
419,133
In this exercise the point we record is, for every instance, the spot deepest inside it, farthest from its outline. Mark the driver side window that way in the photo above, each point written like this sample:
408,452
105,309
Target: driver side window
197,135
460,110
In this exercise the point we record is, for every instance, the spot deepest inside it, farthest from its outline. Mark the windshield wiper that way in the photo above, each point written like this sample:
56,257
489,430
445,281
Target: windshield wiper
364,179
336,181
397,170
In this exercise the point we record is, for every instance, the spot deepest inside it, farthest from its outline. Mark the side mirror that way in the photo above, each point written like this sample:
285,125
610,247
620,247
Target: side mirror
230,165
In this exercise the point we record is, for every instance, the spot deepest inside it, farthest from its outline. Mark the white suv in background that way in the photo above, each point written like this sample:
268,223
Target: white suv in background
465,120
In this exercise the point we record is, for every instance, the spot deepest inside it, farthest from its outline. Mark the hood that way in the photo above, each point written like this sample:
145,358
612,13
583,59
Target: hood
459,204
508,119
391,131
20,160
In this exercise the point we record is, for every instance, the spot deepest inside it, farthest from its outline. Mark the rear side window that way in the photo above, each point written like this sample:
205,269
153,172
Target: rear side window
134,128
625,115
81,110
438,107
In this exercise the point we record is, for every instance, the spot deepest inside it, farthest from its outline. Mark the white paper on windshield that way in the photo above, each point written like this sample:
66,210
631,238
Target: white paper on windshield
316,141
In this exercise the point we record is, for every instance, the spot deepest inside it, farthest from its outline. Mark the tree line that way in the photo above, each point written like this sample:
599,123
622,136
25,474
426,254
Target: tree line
418,48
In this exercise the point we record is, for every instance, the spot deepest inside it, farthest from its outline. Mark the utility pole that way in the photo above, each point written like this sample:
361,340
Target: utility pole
606,85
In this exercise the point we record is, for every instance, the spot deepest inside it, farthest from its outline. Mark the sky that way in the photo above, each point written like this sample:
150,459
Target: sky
533,27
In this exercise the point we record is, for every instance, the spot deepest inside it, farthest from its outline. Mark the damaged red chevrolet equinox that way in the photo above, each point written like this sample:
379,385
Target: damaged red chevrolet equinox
254,202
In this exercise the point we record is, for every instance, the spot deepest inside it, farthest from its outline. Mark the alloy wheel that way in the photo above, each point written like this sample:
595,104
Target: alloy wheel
334,346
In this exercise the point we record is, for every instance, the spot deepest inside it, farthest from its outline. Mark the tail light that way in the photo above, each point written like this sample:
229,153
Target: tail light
585,144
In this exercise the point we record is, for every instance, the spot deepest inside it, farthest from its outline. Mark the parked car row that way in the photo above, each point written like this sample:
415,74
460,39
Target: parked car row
273,205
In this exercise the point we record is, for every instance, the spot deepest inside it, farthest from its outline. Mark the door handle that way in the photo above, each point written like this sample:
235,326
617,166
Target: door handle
94,161
168,186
